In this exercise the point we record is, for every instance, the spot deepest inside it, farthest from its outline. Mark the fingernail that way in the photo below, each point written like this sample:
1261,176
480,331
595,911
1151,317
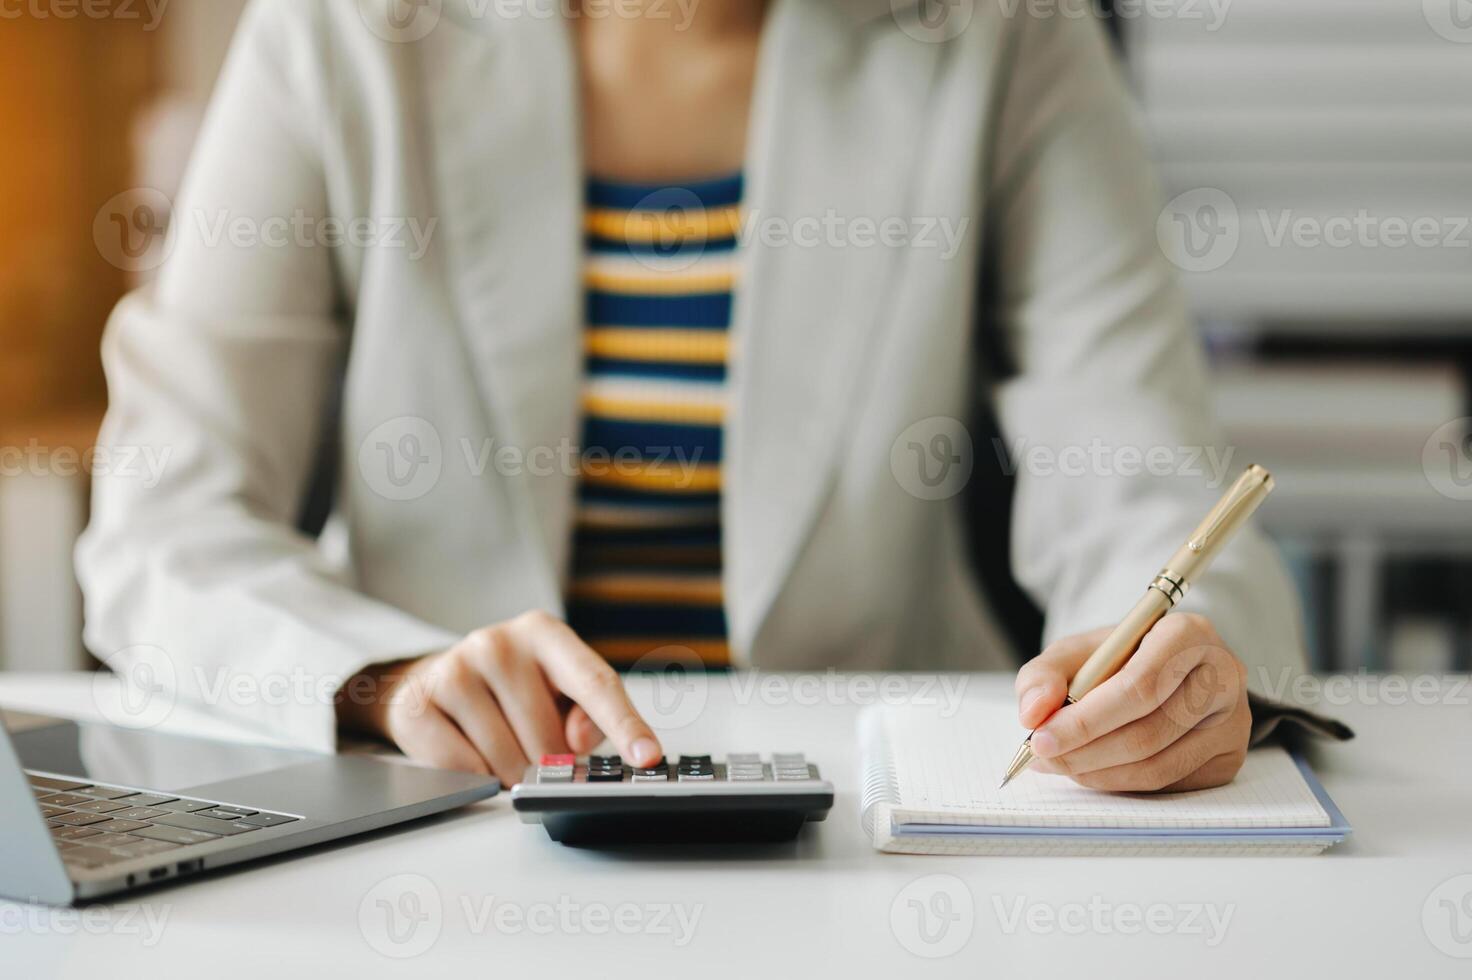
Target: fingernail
1030,697
645,751
1044,744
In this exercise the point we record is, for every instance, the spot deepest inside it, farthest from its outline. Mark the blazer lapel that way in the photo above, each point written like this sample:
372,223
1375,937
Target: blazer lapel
507,163
836,124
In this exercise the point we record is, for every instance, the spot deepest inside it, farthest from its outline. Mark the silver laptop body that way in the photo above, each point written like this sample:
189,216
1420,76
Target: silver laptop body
91,810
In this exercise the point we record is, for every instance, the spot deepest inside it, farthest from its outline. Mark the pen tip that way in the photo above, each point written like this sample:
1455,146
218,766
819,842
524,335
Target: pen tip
1004,782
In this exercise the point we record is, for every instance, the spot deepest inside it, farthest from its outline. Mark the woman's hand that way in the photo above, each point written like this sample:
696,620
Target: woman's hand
1175,718
503,696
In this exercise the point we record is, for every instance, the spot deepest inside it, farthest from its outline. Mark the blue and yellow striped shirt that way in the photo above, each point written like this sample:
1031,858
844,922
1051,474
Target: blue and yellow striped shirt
660,271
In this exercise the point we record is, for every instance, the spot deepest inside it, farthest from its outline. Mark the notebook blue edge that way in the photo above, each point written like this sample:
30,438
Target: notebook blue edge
1335,832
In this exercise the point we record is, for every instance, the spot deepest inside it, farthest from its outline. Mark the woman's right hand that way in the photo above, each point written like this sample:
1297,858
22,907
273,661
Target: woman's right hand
503,696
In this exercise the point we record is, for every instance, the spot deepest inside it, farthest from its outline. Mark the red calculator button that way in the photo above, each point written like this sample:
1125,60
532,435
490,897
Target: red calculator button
558,760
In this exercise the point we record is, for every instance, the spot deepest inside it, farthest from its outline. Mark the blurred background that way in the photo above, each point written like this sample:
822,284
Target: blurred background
1317,161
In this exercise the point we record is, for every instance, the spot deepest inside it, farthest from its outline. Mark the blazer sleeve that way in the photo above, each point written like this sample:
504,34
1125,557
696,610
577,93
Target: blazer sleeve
1107,414
221,372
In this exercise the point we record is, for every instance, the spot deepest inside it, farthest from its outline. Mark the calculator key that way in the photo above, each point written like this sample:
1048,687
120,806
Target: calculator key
745,775
649,776
604,762
268,819
560,774
743,759
56,785
557,761
695,760
605,775
790,775
789,759
697,776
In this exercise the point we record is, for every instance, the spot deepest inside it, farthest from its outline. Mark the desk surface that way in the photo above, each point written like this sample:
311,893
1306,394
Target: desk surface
478,890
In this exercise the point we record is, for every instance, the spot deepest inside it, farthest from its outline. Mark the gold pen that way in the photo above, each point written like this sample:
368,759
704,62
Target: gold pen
1168,588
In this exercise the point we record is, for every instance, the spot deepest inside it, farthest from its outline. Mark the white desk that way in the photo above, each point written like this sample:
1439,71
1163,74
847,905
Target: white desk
820,907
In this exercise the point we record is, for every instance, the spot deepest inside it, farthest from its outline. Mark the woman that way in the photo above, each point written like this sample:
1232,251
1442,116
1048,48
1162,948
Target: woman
878,221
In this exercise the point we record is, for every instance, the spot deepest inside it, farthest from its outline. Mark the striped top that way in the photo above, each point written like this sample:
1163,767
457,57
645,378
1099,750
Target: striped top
646,571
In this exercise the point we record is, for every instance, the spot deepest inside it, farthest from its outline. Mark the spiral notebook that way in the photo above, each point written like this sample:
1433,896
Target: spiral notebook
930,787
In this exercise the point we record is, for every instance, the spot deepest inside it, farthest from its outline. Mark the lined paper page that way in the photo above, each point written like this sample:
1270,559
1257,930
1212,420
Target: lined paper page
946,771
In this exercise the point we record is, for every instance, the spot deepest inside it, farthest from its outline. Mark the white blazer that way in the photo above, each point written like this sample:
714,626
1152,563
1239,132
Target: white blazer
1017,132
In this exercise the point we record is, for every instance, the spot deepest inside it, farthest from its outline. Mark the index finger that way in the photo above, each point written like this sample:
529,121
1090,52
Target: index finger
1043,681
576,670
1131,694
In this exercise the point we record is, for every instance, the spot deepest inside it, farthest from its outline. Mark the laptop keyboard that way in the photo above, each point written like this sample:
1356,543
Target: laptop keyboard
96,825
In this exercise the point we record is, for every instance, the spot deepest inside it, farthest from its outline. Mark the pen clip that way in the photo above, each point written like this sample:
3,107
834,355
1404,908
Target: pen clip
1252,478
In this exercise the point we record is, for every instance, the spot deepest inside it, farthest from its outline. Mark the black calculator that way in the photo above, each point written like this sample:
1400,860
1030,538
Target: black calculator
600,800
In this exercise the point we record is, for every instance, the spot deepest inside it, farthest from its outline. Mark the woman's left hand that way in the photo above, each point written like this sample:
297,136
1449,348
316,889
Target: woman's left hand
1174,718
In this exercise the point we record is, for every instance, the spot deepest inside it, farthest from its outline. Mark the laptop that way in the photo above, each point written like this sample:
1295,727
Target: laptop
90,810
